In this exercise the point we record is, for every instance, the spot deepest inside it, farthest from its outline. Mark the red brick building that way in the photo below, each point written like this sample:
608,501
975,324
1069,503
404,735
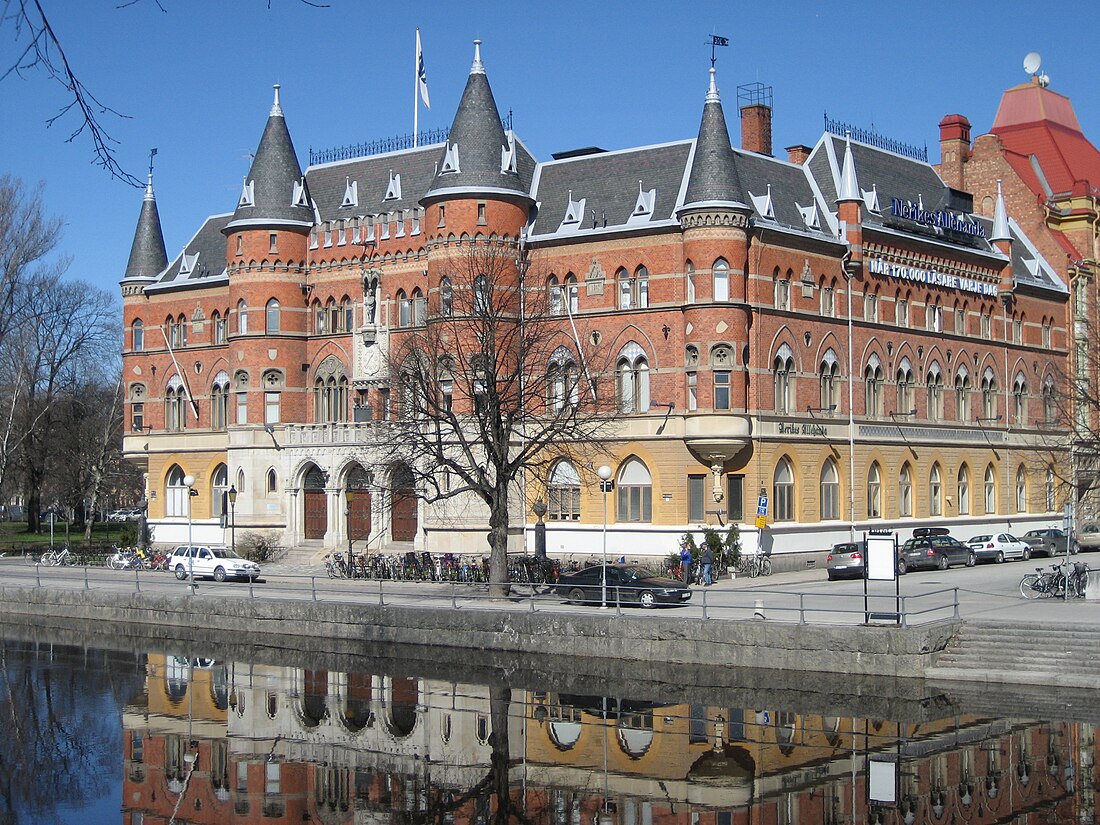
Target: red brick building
838,330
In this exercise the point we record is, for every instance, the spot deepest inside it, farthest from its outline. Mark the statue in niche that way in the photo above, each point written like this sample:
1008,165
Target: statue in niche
370,301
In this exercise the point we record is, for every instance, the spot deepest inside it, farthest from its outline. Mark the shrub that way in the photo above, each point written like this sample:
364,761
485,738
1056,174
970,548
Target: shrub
259,547
726,549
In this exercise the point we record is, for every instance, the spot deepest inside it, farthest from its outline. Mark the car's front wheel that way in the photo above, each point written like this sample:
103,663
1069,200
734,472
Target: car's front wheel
901,567
219,574
181,572
1027,553
646,599
576,595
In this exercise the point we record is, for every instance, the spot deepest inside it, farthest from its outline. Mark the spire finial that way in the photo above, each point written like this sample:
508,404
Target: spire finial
478,67
712,92
276,109
849,185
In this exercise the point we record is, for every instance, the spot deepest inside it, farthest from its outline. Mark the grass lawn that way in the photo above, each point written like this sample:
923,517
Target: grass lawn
15,533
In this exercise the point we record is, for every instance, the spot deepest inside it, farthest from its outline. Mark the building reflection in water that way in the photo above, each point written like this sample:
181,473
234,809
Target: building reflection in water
233,742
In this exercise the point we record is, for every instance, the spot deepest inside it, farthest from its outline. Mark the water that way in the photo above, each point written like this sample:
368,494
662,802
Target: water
156,734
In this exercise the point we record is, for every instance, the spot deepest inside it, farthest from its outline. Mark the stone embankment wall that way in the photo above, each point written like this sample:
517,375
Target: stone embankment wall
887,651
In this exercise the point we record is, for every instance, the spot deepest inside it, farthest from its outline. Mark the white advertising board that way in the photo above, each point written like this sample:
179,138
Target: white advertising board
881,558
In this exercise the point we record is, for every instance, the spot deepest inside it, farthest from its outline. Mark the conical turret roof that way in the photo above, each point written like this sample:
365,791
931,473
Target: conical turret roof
148,257
478,158
713,181
273,193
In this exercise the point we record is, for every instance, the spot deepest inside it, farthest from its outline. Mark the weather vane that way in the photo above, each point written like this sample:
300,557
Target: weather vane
152,154
714,41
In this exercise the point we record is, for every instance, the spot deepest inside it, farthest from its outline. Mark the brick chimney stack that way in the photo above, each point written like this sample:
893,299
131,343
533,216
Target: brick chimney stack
954,150
798,153
755,102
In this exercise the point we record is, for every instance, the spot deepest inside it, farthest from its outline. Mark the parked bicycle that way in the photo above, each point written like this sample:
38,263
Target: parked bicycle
753,565
127,559
55,558
1061,581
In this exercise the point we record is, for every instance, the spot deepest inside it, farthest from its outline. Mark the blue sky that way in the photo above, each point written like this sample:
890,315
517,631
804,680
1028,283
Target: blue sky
195,80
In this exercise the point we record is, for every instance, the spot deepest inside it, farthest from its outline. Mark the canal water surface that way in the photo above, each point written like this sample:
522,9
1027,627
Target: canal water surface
158,735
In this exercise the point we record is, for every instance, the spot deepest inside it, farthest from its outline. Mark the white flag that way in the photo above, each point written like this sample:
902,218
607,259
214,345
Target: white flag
421,75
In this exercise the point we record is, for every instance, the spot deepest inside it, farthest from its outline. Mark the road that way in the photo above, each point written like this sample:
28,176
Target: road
986,592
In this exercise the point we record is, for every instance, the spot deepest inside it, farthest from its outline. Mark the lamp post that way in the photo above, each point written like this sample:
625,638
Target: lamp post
606,485
539,509
189,483
349,494
232,495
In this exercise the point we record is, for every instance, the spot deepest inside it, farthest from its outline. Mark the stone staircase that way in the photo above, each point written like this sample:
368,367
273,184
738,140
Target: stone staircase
1051,654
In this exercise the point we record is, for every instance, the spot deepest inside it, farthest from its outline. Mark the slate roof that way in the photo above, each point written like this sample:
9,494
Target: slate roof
208,244
609,184
479,135
273,174
789,186
147,254
713,177
327,183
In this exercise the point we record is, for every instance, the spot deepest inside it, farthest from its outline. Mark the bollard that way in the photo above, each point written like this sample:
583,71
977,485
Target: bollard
251,595
758,612
313,586
705,605
904,614
956,602
86,587
802,608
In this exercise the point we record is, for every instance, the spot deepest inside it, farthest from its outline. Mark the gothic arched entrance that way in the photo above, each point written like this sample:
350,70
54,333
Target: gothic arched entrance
403,512
315,503
359,503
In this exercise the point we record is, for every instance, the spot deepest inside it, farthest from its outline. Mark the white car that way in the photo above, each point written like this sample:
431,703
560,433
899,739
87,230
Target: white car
998,547
218,563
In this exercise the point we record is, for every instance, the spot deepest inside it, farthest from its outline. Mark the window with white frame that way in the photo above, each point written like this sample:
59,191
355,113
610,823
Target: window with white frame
219,401
271,408
175,404
242,317
177,495
689,270
572,294
563,491
272,316
1021,490
1019,400
874,491
828,380
783,490
830,491
935,491
905,491
693,390
783,367
219,489
990,490
721,272
137,336
632,374
635,492
872,387
934,381
721,389
963,491
989,395
904,380
962,394
1049,490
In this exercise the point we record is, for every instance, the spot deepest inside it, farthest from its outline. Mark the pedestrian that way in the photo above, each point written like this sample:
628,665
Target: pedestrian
708,566
685,564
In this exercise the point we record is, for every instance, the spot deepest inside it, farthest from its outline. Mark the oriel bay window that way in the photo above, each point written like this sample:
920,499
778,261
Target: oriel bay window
635,492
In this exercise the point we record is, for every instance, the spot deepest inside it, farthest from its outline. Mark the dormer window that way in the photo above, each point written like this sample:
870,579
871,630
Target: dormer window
643,206
870,199
351,193
248,194
508,156
187,263
763,204
809,215
450,160
393,188
574,212
299,196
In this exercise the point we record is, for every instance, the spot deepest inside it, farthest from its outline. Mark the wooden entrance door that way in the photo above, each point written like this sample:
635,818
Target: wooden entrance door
359,517
316,504
403,514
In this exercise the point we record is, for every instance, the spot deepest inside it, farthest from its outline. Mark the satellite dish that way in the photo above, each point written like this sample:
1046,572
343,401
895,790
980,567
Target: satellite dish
1032,62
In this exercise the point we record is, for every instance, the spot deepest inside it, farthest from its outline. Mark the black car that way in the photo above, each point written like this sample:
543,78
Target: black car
625,584
936,551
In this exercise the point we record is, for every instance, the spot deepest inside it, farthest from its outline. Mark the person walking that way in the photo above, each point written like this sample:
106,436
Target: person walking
685,564
708,566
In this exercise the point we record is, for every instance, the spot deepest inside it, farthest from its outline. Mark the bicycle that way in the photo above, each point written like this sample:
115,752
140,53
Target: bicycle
57,558
753,565
1056,583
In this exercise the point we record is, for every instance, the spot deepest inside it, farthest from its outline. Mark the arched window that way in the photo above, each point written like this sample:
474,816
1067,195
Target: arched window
446,298
561,382
962,394
272,481
830,491
721,280
990,490
554,295
219,488
635,492
173,332
641,284
572,303
218,323
348,313
181,325
1019,400
1050,489
176,494
689,271
271,317
330,392
219,401
905,387
242,317
563,489
905,491
874,491
404,309
632,371
1021,490
989,395
783,490
482,303
137,336
784,386
828,374
872,387
963,489
935,392
175,405
320,317
625,285
333,313
935,491
420,309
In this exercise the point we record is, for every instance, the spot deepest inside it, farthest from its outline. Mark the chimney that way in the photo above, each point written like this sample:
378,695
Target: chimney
755,103
798,153
954,150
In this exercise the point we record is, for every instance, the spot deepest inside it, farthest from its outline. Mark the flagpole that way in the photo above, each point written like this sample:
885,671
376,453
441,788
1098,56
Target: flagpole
416,90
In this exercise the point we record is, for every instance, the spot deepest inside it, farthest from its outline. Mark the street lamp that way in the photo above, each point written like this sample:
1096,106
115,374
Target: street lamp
232,495
605,485
189,483
539,509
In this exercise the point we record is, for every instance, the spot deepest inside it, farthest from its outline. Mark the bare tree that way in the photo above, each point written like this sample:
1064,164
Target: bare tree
492,384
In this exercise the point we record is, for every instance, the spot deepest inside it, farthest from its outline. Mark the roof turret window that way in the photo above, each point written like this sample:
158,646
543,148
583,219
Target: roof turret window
351,193
763,204
870,199
299,197
450,160
574,212
187,263
809,215
508,156
248,194
393,188
643,206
